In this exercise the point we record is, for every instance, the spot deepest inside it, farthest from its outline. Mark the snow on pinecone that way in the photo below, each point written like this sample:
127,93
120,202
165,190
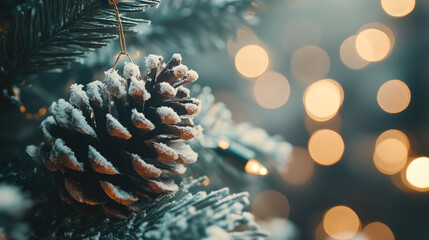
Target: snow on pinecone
114,146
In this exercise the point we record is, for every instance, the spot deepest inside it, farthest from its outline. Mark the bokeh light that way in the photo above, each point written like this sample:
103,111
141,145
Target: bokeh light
349,54
271,90
398,8
341,222
323,99
382,27
417,173
373,44
270,204
310,63
251,61
391,151
394,96
378,231
326,147
300,168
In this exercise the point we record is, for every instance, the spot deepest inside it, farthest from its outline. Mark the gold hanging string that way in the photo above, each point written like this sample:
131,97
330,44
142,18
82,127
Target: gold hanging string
121,35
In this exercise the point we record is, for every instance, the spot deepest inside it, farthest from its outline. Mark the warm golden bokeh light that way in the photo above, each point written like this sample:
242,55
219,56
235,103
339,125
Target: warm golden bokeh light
391,151
310,63
271,90
417,173
341,222
251,61
350,56
326,147
394,96
398,8
373,44
270,204
323,99
255,167
382,27
223,144
378,231
300,168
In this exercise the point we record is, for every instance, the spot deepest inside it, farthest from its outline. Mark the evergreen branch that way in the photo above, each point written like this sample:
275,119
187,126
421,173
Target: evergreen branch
47,35
195,25
188,26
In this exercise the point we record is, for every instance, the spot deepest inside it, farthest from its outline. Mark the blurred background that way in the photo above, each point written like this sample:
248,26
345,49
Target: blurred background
344,82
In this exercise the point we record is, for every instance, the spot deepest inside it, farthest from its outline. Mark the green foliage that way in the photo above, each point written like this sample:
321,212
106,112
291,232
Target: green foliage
47,35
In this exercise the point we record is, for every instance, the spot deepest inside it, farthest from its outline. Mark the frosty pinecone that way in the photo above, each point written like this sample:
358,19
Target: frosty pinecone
114,146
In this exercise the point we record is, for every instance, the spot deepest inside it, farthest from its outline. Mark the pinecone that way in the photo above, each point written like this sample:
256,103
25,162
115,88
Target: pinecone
116,145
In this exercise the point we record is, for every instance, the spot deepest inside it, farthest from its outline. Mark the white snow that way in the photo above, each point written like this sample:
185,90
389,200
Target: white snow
167,89
184,91
177,57
12,201
92,90
168,115
100,163
114,83
61,110
179,169
185,152
78,123
192,76
117,194
45,126
187,133
131,70
160,187
153,61
78,96
165,153
138,91
192,109
144,169
61,155
115,128
140,121
180,70
32,151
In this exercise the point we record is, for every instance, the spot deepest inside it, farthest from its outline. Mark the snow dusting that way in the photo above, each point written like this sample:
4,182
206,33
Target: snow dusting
168,115
131,70
165,153
115,128
100,163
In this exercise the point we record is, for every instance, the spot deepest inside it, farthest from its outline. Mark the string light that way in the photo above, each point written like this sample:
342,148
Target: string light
271,90
391,151
241,157
323,99
349,55
394,96
373,44
378,231
417,173
341,222
398,8
326,147
251,61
